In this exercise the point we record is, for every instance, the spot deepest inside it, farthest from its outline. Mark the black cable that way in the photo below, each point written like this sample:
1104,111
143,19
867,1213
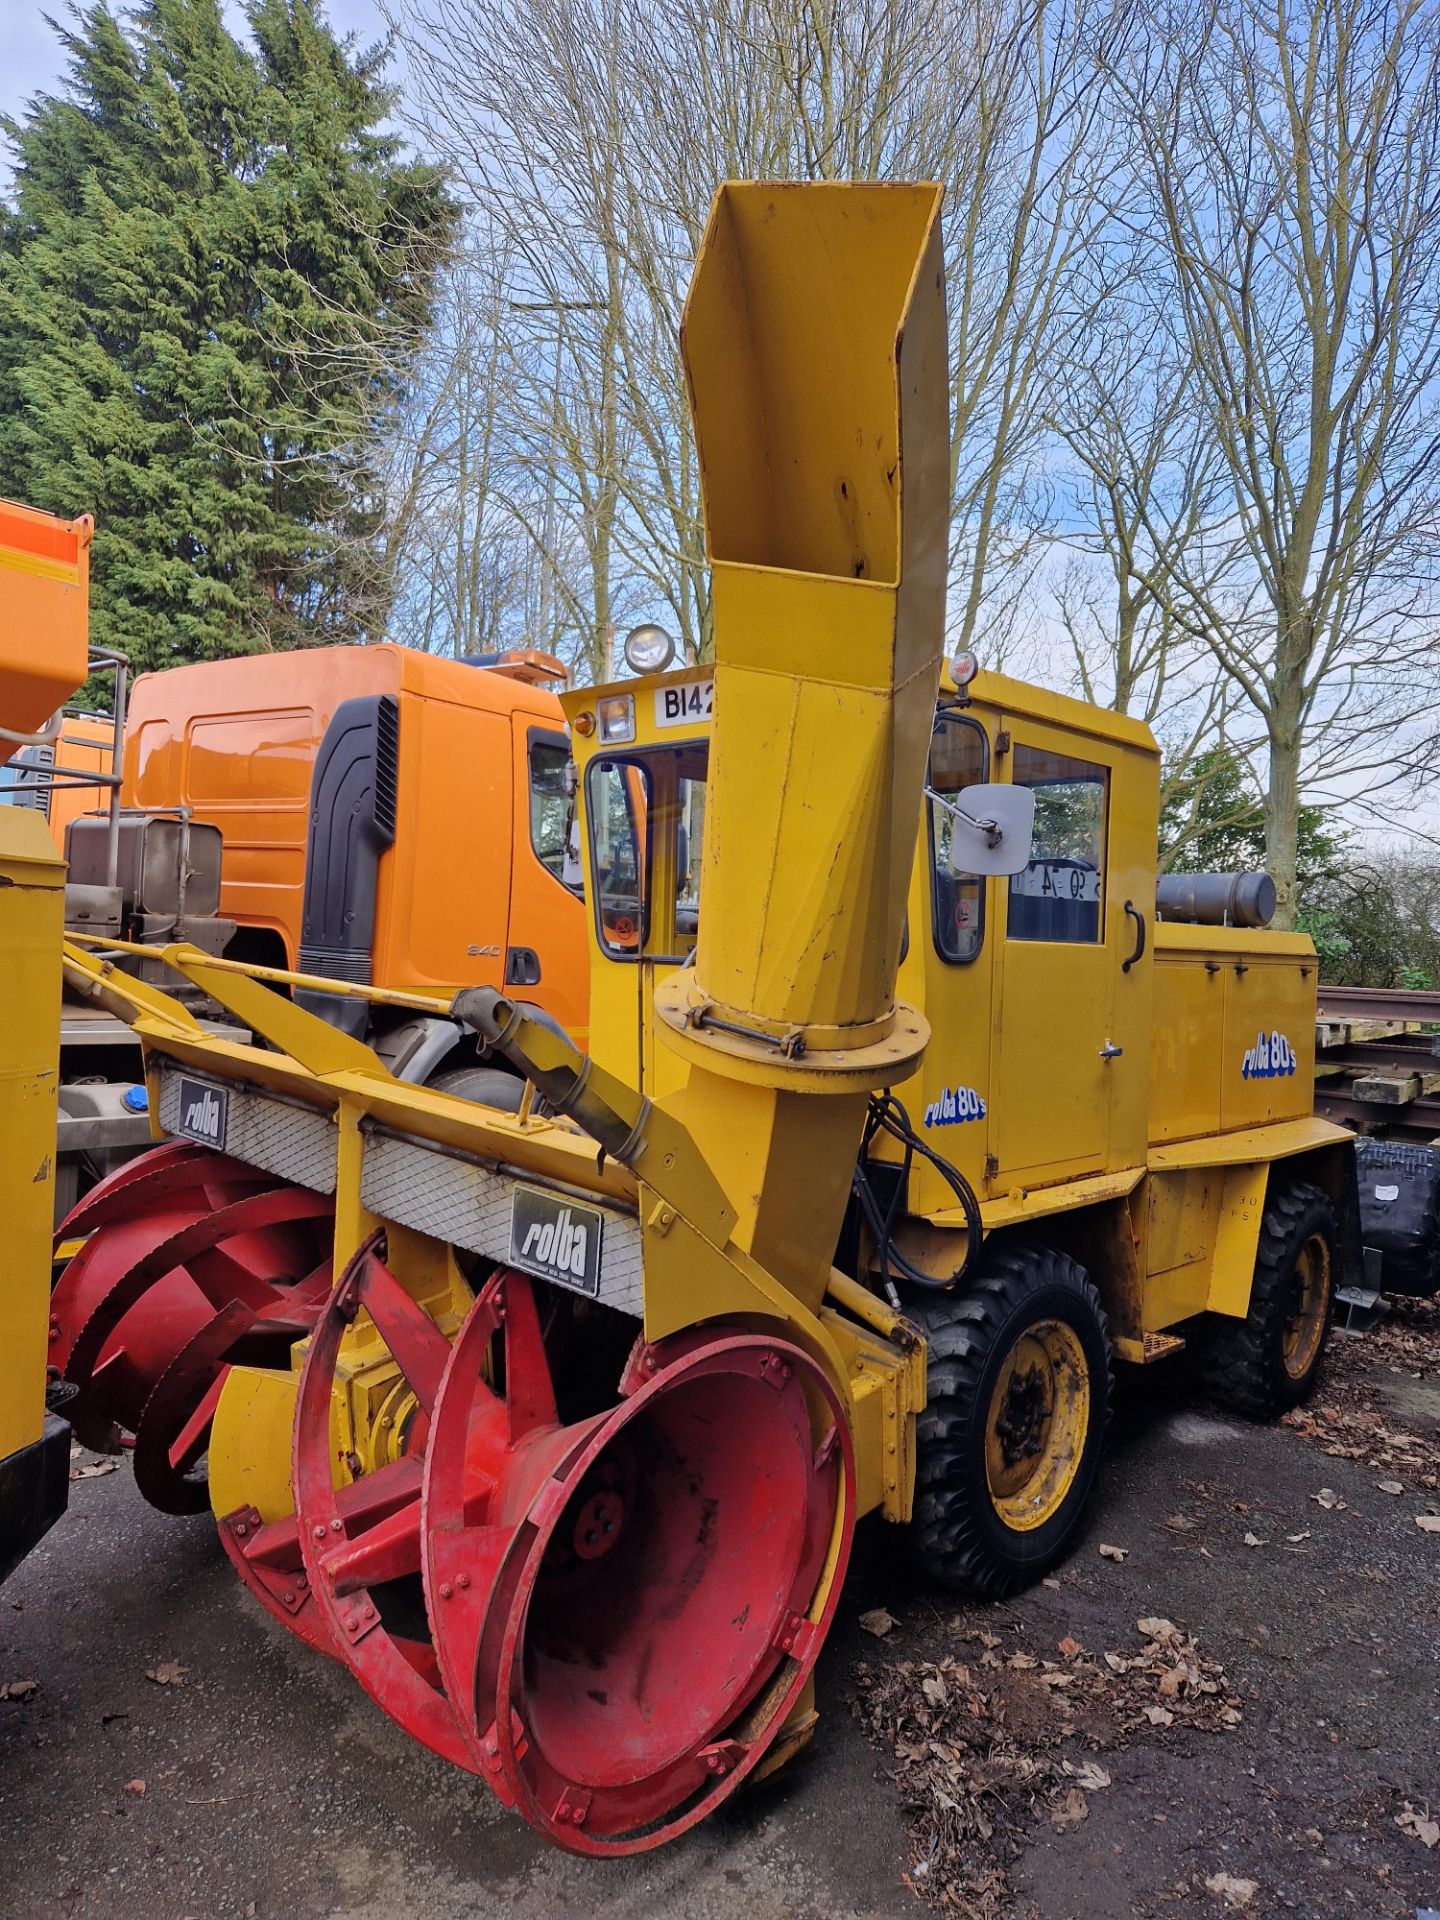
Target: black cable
887,1116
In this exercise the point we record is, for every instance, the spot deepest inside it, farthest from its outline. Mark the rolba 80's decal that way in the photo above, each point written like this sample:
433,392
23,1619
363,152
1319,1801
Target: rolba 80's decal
954,1106
1271,1058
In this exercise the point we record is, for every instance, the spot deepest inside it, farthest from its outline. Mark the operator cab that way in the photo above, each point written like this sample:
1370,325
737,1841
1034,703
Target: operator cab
1034,972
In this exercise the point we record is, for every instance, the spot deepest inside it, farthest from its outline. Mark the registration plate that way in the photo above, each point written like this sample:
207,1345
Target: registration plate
685,706
203,1114
556,1239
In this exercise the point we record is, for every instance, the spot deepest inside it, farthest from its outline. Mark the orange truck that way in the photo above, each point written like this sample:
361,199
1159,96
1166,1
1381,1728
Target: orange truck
387,818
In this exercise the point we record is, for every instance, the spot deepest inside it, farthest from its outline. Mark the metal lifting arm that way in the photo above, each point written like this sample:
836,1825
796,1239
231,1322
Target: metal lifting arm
626,1125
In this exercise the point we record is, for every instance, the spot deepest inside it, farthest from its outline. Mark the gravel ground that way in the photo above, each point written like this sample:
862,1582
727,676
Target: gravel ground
272,1787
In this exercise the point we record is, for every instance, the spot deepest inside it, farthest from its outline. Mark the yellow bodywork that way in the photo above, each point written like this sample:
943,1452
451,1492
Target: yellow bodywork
32,920
44,625
1129,1113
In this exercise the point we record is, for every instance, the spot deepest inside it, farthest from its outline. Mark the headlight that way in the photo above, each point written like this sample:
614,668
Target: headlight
648,649
617,718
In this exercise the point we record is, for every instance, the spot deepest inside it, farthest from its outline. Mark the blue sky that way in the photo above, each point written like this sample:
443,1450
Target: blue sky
32,60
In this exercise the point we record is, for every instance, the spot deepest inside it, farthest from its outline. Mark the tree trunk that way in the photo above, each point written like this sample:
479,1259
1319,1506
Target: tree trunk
1282,805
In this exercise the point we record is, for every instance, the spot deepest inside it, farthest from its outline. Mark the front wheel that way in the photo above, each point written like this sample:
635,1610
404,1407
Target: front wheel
1266,1363
1008,1447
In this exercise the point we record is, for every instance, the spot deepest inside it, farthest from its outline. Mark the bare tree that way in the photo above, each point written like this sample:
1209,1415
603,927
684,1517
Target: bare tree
593,132
1289,187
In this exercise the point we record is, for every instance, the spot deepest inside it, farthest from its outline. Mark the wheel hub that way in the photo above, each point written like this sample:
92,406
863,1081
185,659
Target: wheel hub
1021,1426
1039,1416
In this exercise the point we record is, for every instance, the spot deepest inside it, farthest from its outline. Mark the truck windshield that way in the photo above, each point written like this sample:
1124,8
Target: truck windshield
646,817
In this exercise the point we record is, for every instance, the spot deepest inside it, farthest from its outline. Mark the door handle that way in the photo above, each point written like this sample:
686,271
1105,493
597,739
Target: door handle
1110,1051
1139,954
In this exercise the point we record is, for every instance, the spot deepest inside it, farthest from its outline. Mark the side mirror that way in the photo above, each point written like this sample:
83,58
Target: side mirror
991,828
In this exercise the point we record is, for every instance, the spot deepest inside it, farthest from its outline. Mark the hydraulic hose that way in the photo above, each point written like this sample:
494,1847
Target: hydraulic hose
887,1116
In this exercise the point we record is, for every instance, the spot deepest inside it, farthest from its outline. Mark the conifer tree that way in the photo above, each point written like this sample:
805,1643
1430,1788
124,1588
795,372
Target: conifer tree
214,272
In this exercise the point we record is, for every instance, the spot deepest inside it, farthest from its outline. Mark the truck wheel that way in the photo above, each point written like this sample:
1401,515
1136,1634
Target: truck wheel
486,1086
1008,1446
1266,1363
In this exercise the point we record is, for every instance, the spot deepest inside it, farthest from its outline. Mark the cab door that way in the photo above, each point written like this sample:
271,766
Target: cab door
1055,1061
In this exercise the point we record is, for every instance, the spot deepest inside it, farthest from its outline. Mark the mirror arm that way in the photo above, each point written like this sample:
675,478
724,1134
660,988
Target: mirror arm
990,828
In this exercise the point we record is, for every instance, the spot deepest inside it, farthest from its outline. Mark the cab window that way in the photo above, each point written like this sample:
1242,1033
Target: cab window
646,816
549,803
617,797
958,757
1060,895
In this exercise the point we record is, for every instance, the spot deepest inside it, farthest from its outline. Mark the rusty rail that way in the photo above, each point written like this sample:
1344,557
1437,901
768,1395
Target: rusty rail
1379,1003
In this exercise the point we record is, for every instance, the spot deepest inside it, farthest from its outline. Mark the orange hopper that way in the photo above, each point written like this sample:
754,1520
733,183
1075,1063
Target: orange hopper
44,596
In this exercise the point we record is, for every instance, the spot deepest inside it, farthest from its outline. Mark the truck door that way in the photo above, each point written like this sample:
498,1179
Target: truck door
1054,1060
545,954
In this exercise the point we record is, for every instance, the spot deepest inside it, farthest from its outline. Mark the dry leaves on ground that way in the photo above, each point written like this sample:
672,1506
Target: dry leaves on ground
1425,1830
18,1689
167,1673
1231,1889
878,1622
985,1742
1346,1415
92,1469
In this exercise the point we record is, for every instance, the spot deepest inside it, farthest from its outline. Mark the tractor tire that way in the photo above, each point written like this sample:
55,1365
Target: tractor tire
486,1086
1004,1463
1266,1363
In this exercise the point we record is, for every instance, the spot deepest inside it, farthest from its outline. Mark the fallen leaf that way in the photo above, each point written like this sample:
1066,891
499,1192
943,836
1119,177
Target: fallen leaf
1070,1646
1294,1538
137,1787
988,1639
1091,1776
1327,1498
1253,1540
1117,1663
1233,1891
1155,1628
1179,1523
1119,1554
1425,1830
18,1689
1428,1522
935,1691
1390,1486
1069,1811
170,1673
92,1469
1171,1682
1022,1662
1054,1585
1159,1716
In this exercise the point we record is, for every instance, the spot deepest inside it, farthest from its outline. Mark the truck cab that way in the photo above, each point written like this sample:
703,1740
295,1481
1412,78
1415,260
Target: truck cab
388,817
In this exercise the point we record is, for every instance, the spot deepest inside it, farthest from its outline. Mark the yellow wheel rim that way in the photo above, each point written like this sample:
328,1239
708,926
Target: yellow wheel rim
1309,1304
1036,1425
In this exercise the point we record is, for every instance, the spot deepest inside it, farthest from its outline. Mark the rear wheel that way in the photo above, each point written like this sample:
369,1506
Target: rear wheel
1008,1447
1266,1363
